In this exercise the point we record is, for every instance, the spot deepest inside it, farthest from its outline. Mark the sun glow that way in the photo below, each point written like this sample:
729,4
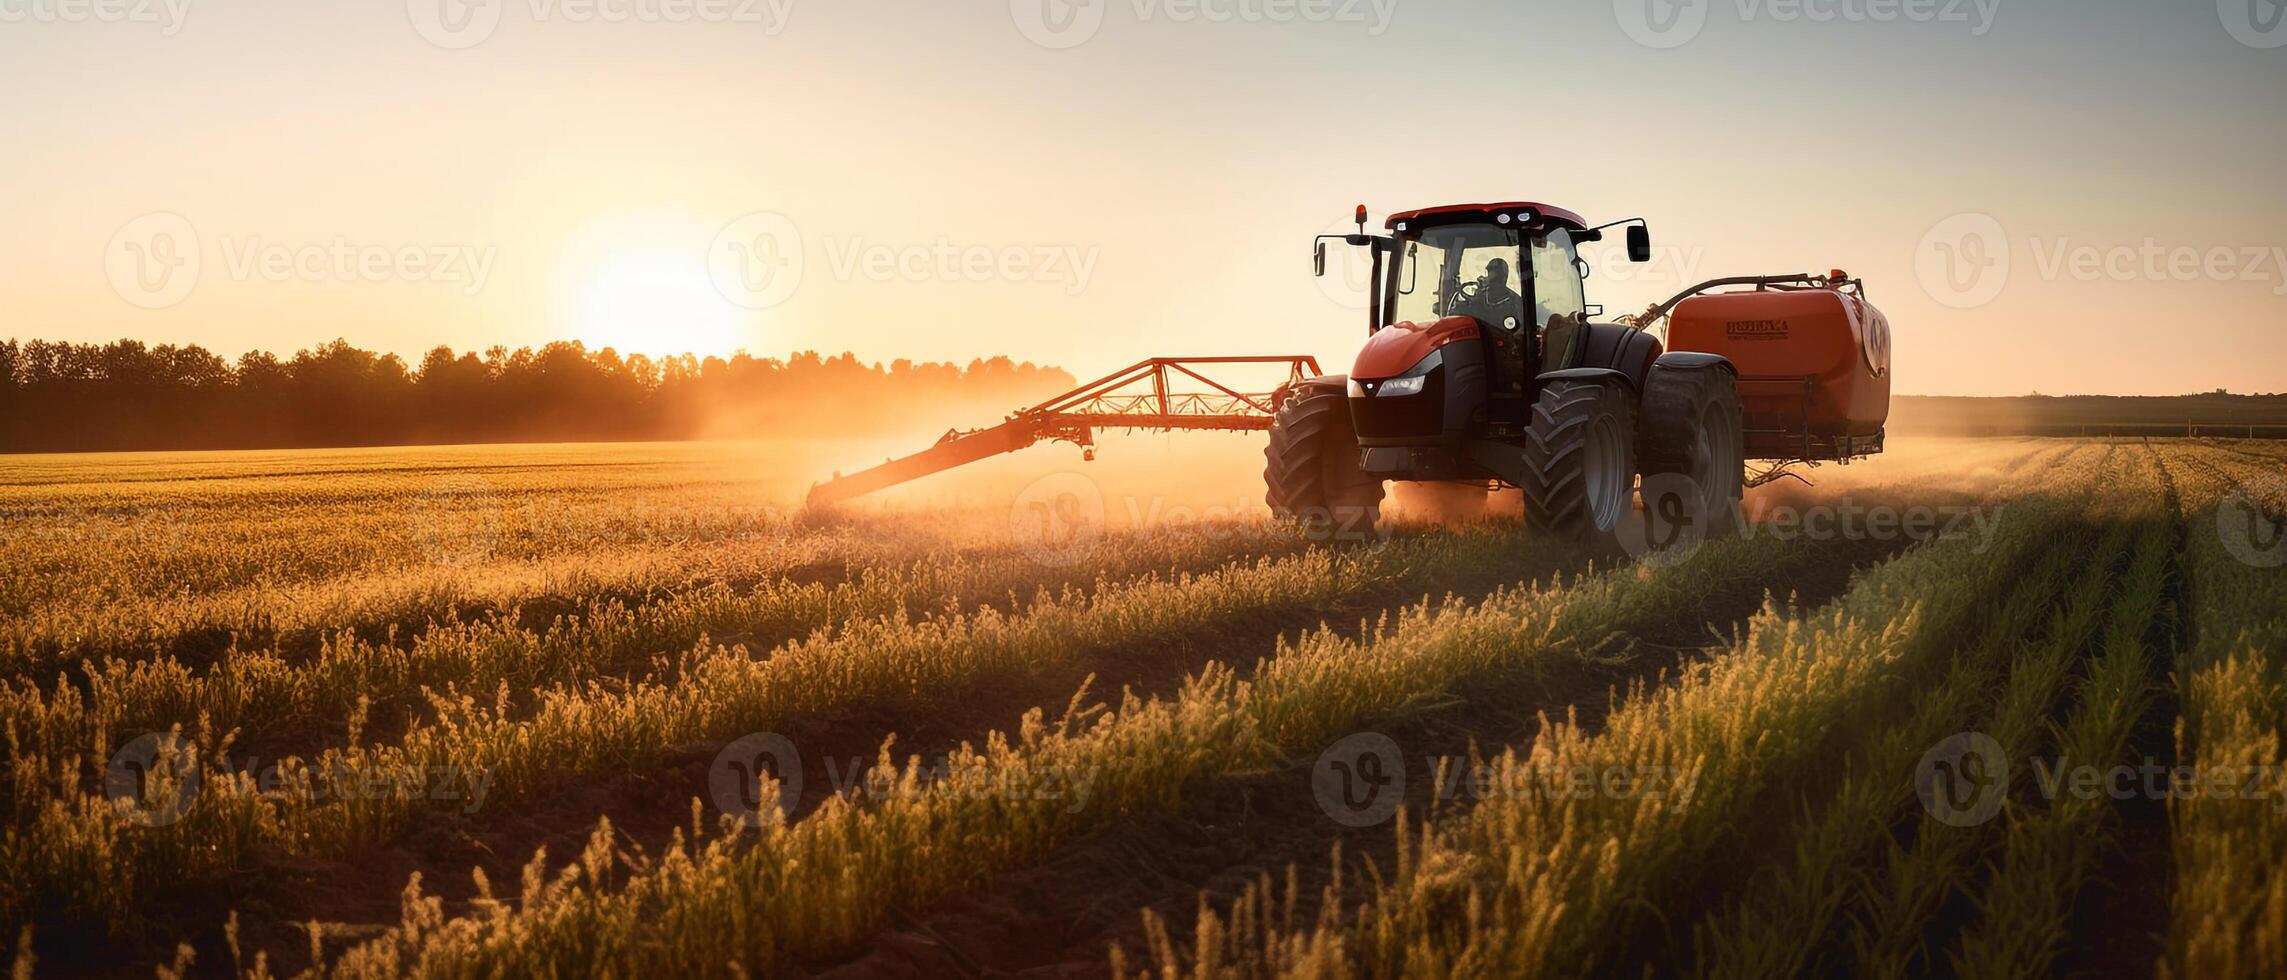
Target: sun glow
657,304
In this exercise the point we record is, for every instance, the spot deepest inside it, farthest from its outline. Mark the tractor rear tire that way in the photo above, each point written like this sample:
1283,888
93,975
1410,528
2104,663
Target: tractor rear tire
1311,470
1580,460
1691,445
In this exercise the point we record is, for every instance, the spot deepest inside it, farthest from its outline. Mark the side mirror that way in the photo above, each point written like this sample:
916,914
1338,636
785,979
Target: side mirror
1318,259
1639,243
1582,265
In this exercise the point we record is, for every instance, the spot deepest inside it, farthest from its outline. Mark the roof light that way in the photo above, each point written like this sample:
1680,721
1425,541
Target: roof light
1504,219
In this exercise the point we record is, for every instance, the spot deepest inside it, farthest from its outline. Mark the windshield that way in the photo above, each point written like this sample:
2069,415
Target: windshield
1459,270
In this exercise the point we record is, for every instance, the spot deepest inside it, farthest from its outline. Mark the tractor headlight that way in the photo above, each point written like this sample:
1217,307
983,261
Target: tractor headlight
1404,386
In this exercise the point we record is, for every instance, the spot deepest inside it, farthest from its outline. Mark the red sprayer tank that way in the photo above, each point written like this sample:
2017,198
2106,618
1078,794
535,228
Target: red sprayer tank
1814,365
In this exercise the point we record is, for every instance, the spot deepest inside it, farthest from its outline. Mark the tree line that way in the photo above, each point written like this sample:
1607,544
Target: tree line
125,395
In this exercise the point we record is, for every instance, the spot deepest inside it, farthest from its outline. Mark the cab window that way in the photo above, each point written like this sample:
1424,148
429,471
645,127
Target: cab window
1460,270
1556,279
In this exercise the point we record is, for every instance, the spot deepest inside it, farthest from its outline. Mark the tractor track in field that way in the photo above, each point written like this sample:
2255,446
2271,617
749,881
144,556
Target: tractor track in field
648,801
2120,916
1061,916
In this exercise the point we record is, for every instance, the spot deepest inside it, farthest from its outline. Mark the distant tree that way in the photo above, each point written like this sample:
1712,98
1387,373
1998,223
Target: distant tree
127,395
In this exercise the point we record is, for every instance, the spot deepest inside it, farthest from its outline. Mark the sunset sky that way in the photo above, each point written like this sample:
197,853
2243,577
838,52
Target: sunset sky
956,179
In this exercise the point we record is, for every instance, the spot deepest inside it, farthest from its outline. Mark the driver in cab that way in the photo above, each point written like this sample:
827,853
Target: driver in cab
1489,297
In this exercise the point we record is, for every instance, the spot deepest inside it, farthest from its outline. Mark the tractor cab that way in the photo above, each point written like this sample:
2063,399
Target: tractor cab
1507,277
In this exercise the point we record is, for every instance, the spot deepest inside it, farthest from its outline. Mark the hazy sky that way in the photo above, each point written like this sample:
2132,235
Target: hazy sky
2057,196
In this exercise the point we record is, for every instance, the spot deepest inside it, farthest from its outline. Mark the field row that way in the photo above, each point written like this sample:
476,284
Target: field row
2043,631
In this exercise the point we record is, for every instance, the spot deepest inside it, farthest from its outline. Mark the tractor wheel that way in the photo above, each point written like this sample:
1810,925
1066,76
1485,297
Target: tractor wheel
1580,459
1691,447
1311,466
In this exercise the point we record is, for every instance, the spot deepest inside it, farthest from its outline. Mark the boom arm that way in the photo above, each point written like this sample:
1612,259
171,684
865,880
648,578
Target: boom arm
1160,394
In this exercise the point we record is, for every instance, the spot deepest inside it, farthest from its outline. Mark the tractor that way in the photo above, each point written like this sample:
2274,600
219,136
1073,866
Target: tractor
1483,366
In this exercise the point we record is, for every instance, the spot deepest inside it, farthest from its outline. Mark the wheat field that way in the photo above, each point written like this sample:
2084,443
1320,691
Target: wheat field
1998,707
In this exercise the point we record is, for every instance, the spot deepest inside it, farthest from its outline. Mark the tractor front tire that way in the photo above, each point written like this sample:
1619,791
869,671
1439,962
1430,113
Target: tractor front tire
1692,447
1311,471
1580,460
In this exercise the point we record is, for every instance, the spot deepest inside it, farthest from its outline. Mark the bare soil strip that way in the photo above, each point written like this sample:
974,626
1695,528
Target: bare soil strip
2120,918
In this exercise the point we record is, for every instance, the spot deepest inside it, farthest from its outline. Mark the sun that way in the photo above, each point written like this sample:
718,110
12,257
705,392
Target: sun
657,304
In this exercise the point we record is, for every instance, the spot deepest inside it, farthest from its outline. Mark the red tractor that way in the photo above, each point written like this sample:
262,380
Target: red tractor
1482,367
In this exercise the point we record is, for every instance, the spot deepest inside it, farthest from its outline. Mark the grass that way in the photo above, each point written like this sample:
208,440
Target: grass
560,616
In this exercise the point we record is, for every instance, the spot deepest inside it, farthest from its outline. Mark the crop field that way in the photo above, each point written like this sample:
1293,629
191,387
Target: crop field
1994,707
